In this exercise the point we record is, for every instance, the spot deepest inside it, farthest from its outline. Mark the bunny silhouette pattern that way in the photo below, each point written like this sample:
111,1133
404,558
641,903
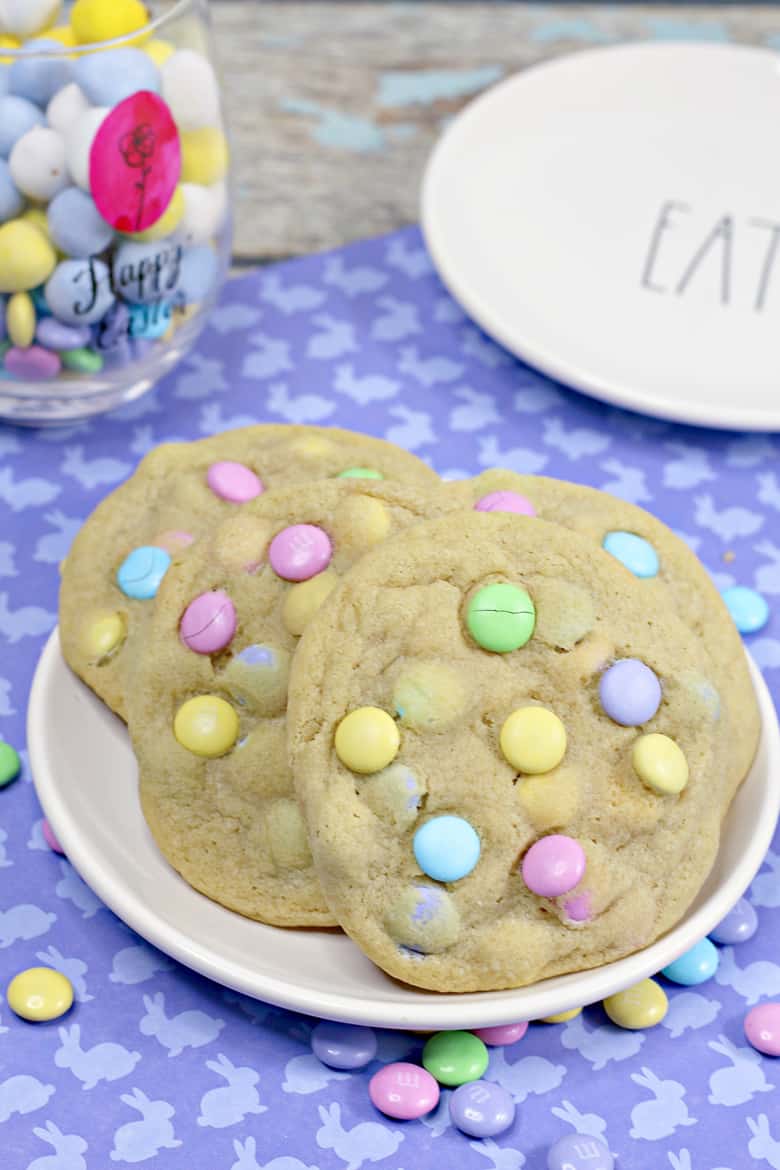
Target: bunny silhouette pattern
659,1118
69,1149
187,1030
104,1062
365,1142
237,1099
741,1079
138,1140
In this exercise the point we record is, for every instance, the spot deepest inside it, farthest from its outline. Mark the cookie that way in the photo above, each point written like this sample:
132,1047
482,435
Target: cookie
502,766
179,491
207,698
667,569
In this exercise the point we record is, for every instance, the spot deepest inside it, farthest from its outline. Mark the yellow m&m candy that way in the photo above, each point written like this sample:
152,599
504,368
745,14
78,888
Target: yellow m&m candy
204,155
642,1006
367,740
660,764
27,259
206,726
562,1017
20,319
533,740
304,599
40,994
95,20
102,634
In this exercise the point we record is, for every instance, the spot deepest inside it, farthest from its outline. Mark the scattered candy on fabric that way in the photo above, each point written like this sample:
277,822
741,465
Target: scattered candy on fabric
660,764
206,726
553,865
300,552
762,1028
505,501
343,1046
578,1151
748,608
208,623
636,553
533,740
501,617
455,1058
10,763
695,966
642,1006
40,994
141,572
446,848
367,740
739,925
403,1091
502,1034
630,692
233,482
482,1109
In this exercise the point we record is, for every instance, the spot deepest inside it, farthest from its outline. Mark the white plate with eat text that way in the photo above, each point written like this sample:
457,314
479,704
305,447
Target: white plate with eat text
613,217
85,775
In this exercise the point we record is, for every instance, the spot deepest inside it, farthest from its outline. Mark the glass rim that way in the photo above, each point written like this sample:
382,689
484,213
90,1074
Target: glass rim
96,46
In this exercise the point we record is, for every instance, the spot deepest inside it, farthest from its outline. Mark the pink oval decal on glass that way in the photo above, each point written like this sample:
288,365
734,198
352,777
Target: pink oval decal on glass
135,163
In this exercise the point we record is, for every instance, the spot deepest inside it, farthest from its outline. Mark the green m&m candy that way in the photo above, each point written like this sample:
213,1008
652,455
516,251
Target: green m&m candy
501,617
360,473
10,764
455,1057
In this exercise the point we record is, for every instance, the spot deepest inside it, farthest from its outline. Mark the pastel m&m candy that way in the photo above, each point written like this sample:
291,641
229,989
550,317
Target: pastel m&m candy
762,1028
660,764
446,848
455,1057
695,966
636,553
642,1006
630,692
206,726
141,572
40,993
10,764
343,1046
533,740
404,1091
501,1034
50,839
739,925
482,1109
102,634
577,1151
501,617
37,164
204,155
505,501
748,608
95,20
208,623
300,552
233,482
360,473
20,319
367,740
304,599
562,1017
553,865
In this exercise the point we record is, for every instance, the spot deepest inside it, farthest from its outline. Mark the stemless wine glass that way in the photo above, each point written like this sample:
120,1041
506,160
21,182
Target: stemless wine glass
115,209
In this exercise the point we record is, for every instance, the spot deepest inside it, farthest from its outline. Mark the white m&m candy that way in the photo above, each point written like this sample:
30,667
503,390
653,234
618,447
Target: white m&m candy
189,86
37,164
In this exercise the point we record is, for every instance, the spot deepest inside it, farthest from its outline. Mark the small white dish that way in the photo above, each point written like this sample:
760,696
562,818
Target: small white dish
611,217
85,774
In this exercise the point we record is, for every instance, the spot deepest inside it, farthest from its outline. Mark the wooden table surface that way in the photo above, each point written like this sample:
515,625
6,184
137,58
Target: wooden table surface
334,107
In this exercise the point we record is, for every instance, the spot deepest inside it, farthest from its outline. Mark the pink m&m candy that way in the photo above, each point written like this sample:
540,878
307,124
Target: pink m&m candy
762,1028
50,839
578,908
208,623
505,502
404,1091
553,865
300,552
501,1034
233,482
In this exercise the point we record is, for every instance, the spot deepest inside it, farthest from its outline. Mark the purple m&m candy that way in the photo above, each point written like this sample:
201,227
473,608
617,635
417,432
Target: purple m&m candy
404,1091
482,1109
630,692
740,924
300,552
233,482
501,1034
578,1151
762,1028
343,1045
505,502
32,363
208,623
553,865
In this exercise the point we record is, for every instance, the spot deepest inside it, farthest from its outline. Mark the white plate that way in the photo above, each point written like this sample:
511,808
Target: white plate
85,774
541,203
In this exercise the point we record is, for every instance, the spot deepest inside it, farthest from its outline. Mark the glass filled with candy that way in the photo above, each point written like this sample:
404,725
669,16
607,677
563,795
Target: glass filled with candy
115,213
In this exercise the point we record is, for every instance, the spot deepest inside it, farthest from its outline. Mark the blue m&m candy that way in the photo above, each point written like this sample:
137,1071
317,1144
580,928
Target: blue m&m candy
749,609
343,1045
446,848
482,1109
630,692
141,572
636,553
578,1151
740,924
695,966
